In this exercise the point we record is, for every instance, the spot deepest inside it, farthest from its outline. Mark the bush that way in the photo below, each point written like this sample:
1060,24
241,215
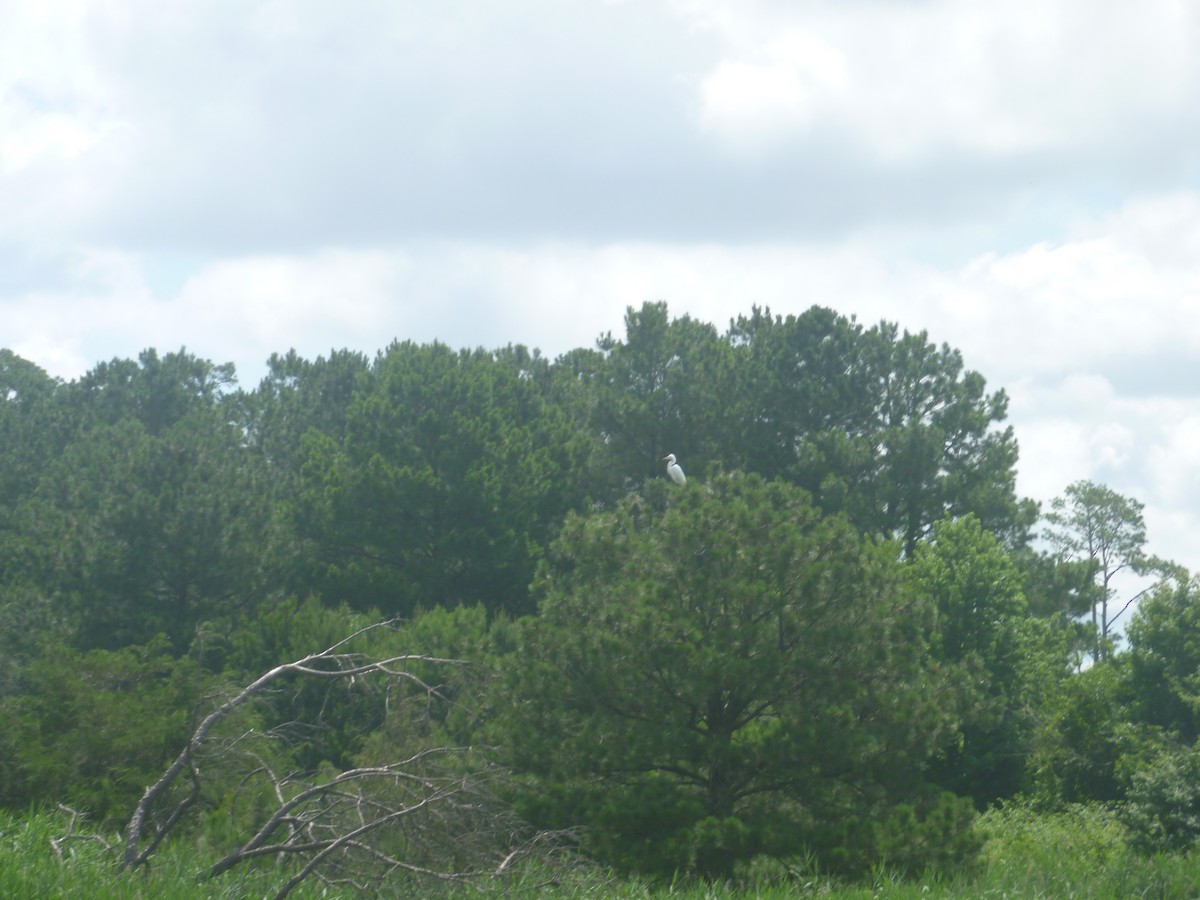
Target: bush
1162,810
1084,834
93,728
936,833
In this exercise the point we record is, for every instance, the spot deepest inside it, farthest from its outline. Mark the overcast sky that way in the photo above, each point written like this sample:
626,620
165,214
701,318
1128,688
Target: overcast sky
1020,179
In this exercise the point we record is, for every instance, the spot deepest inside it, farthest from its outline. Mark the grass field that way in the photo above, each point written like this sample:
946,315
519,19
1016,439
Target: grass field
1076,854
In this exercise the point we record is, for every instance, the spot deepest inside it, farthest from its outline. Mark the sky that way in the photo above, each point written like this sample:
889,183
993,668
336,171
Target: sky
1021,180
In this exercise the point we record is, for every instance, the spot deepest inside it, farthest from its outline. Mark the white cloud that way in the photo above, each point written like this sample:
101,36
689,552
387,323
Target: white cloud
1173,463
56,119
753,104
912,80
273,303
1104,303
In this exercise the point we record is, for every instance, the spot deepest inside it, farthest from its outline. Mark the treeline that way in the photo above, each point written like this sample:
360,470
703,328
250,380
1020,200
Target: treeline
840,640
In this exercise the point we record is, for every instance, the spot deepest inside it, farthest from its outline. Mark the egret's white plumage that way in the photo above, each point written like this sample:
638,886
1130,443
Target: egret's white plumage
673,469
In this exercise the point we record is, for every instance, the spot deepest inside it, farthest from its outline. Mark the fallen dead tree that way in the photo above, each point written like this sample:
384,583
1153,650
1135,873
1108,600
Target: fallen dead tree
428,815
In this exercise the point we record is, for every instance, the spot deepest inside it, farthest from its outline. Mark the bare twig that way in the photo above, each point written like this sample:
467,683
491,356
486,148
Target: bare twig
59,842
421,816
346,666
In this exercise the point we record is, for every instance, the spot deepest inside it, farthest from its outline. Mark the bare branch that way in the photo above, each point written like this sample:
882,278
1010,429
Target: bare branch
59,842
255,846
355,827
135,855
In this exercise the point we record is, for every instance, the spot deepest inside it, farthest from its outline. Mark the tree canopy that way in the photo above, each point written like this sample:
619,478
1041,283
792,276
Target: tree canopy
838,640
746,667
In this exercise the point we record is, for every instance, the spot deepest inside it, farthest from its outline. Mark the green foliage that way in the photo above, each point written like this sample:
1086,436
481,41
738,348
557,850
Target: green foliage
934,834
977,589
1077,853
30,432
1094,525
300,395
1164,660
726,652
147,515
981,613
720,674
92,729
155,392
50,855
669,385
451,476
444,701
1162,808
1081,741
282,631
141,533
1057,586
1057,852
331,720
27,617
880,424
1162,679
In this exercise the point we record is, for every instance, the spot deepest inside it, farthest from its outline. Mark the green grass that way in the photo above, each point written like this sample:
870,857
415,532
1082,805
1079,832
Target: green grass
1080,853
86,866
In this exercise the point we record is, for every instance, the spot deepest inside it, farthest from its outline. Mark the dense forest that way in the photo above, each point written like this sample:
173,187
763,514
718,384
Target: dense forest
441,611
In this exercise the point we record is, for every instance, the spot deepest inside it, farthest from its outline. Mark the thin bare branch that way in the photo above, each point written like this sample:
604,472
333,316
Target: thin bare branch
353,828
59,843
135,855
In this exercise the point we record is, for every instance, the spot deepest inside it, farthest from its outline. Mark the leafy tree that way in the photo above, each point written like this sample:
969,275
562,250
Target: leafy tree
1095,525
665,388
32,434
137,510
1077,752
1127,730
811,397
976,587
1162,808
28,617
90,729
295,397
1126,726
1055,586
718,671
137,533
1164,660
453,472
880,424
156,391
29,432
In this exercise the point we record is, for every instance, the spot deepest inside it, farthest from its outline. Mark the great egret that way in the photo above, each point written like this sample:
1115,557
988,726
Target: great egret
673,469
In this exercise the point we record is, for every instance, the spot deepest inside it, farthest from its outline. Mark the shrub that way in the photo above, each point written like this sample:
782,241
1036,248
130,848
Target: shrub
1162,810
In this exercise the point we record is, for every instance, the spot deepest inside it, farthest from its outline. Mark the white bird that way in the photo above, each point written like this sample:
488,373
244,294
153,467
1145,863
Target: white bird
673,469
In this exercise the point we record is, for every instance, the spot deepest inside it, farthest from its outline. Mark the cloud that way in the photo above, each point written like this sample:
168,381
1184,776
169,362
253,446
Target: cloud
1173,464
282,126
1119,299
752,104
921,80
221,128
247,308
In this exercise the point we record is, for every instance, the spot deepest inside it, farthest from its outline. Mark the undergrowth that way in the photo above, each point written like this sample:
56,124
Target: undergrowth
1080,852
